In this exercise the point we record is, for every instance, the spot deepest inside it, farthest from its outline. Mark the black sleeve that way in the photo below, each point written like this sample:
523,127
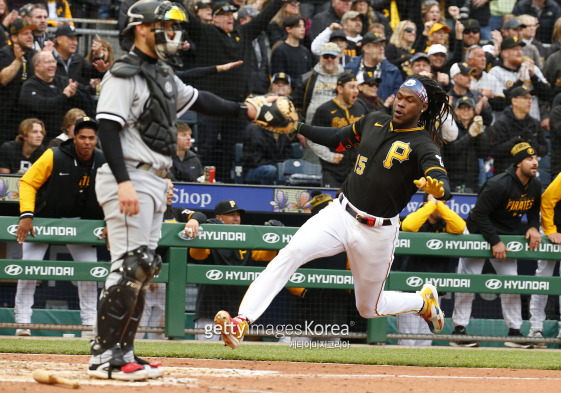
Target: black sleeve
210,104
112,149
191,75
326,136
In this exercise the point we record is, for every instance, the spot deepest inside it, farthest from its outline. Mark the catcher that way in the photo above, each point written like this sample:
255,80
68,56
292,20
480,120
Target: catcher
397,155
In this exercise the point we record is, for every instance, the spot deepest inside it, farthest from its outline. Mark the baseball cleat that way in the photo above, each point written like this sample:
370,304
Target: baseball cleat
128,372
431,312
153,369
231,329
23,332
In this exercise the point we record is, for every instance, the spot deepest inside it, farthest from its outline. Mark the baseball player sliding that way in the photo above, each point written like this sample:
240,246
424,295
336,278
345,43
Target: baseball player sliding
393,152
138,105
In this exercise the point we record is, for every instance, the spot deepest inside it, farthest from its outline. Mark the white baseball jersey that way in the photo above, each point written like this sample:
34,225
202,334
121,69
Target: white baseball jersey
122,100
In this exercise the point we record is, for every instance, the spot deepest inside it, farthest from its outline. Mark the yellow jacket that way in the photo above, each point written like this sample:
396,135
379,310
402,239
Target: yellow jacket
414,221
550,197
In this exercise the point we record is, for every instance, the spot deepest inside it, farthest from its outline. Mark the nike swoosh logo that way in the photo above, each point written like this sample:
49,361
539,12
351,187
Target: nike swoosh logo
378,124
63,174
332,112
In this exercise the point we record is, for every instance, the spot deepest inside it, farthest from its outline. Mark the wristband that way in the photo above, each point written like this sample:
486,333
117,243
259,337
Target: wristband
243,111
26,215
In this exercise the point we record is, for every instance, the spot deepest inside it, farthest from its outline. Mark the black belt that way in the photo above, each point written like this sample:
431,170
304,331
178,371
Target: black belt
365,220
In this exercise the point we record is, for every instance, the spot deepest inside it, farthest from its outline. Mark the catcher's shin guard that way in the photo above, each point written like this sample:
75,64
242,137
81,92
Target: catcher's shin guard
127,341
119,303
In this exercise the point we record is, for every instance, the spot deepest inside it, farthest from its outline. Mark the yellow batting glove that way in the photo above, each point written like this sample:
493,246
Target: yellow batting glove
430,186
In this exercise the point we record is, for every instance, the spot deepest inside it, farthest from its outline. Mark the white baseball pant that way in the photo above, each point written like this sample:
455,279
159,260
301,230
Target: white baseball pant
332,231
510,302
538,302
87,290
127,233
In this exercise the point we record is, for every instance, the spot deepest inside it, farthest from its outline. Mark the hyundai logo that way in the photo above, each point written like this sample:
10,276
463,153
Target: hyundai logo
98,231
182,235
214,275
515,246
99,271
435,244
271,237
12,229
13,270
297,278
414,281
493,283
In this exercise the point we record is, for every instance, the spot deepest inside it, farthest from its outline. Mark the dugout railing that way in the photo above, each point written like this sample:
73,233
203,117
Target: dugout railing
176,274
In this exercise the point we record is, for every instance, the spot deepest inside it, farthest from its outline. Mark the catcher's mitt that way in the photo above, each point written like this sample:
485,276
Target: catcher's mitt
278,116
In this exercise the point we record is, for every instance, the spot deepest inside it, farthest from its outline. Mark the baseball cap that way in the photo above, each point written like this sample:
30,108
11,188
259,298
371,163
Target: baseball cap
281,76
222,7
330,49
345,78
319,201
67,30
368,78
419,56
372,38
338,34
437,48
513,23
461,68
438,26
511,42
520,151
26,10
85,122
20,25
472,24
349,15
202,4
517,90
247,10
465,100
227,206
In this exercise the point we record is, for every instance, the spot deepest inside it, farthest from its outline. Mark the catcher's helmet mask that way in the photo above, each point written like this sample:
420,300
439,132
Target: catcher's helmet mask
153,11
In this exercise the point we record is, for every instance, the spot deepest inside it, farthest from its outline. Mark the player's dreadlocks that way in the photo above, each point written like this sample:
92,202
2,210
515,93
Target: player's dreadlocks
438,110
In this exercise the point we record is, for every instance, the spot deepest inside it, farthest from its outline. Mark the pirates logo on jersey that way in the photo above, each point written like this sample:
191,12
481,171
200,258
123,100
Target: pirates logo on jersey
399,151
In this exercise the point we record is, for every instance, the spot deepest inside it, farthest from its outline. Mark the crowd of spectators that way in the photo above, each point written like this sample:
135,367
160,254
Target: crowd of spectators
475,50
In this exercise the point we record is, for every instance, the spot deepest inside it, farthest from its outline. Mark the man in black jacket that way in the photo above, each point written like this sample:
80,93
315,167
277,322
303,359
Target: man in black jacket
49,96
221,43
516,125
501,203
16,66
325,18
61,184
71,64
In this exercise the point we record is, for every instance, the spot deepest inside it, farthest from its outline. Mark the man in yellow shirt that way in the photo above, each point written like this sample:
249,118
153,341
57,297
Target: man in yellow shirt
551,220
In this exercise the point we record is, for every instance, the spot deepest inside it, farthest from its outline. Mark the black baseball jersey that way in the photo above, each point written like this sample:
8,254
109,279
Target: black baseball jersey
388,160
500,205
332,114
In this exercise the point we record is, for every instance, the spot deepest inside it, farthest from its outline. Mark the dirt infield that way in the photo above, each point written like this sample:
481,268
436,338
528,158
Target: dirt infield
199,375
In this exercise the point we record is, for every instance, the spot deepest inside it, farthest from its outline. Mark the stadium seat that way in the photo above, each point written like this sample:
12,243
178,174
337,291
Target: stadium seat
296,172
